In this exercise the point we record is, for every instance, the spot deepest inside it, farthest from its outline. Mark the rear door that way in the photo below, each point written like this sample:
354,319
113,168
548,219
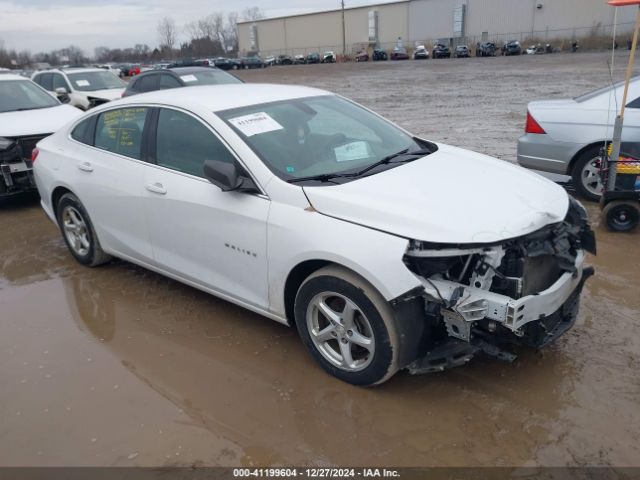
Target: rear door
107,174
200,233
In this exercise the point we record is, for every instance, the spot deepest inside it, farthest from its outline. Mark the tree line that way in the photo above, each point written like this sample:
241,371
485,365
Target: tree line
213,35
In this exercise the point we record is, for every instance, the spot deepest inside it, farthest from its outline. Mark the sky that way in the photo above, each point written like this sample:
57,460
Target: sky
45,25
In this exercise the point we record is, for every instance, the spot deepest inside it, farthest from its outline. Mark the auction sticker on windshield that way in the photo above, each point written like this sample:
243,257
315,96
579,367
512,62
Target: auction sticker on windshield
255,124
188,78
352,151
82,83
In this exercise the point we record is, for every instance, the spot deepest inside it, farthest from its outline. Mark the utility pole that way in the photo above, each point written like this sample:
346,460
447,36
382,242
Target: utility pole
344,33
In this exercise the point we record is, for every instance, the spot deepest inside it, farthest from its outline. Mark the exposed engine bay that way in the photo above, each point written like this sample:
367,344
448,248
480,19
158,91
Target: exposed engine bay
522,291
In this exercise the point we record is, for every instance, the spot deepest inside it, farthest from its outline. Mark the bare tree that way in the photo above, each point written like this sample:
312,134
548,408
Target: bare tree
250,14
231,30
167,32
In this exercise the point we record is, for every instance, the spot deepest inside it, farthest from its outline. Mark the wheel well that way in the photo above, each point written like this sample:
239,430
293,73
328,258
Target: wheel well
298,275
580,152
58,192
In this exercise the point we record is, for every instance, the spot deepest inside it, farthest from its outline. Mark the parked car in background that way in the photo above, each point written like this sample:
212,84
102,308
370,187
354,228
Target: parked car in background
252,62
566,136
379,55
441,50
284,60
486,49
110,68
270,61
329,57
512,47
420,53
299,59
178,77
86,87
313,57
362,56
462,51
399,53
224,63
28,113
161,66
312,211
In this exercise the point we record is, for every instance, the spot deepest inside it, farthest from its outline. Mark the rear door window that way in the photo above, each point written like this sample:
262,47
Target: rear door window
148,83
45,80
184,143
120,131
60,82
168,81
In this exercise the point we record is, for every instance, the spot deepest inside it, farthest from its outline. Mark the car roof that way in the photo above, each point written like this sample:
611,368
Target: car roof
70,70
216,98
12,76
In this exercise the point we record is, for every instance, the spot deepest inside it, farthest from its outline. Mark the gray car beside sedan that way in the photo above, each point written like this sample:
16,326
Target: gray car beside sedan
567,136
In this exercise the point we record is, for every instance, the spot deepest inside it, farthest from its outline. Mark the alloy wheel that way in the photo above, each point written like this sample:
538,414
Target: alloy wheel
340,331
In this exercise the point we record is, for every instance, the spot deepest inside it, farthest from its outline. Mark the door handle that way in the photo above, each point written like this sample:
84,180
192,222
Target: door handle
156,187
85,167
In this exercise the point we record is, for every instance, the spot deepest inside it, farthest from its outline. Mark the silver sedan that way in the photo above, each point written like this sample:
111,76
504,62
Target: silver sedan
566,136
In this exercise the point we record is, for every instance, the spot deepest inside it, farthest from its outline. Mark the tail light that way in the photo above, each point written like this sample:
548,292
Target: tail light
533,126
34,154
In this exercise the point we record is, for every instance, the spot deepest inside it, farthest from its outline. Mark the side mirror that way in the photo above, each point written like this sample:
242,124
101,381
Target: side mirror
61,91
228,176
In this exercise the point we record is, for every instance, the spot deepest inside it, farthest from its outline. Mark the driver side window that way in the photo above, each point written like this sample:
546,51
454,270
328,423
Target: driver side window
184,143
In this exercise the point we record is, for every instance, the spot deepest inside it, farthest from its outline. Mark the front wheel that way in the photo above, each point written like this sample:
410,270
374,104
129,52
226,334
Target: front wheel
586,174
347,326
78,232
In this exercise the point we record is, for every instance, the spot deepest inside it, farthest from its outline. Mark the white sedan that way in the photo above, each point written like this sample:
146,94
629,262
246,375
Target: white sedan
27,115
386,251
566,136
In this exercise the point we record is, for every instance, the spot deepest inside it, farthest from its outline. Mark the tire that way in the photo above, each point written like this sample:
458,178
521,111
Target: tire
372,322
585,174
622,215
78,232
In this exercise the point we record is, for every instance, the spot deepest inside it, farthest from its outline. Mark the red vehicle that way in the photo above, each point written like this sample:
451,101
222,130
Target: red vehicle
134,70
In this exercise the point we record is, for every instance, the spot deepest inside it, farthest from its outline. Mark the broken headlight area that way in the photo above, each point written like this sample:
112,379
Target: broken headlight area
94,102
522,291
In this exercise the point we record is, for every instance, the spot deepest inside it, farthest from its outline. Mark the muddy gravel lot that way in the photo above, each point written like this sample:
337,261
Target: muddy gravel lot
120,366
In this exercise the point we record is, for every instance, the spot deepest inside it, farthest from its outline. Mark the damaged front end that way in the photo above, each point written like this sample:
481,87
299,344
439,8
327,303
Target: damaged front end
16,169
522,291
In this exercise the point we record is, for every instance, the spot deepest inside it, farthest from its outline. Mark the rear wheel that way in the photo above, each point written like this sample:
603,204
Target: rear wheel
621,215
347,326
586,174
78,232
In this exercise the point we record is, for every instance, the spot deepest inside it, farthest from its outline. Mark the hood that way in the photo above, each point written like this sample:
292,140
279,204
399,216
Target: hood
109,94
37,122
451,196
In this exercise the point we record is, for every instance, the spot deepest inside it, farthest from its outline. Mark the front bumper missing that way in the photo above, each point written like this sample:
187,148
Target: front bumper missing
481,321
17,177
475,304
455,352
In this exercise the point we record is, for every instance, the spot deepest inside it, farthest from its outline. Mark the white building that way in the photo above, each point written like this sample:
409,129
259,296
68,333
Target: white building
425,21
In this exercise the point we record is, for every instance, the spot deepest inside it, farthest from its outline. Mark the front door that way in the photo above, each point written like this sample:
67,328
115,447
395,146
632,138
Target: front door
213,238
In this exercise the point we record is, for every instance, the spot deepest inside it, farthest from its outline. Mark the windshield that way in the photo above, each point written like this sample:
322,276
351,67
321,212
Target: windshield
315,136
210,77
16,95
92,81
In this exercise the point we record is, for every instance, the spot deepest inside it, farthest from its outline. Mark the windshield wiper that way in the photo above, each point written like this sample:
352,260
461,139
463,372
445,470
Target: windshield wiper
388,159
326,177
